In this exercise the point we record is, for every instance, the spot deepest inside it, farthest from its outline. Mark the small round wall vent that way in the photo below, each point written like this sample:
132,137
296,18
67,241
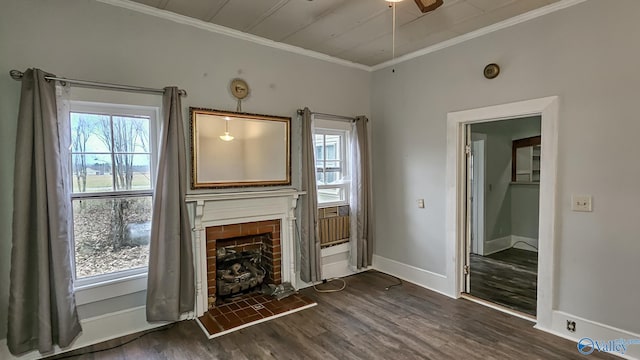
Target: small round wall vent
491,71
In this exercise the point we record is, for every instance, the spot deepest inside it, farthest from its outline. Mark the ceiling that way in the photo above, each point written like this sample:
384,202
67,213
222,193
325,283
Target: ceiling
353,30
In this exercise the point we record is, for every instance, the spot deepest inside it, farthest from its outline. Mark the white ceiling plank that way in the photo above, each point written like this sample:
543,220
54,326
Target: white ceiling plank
240,14
349,15
498,14
292,17
428,40
489,5
154,3
266,15
197,9
376,27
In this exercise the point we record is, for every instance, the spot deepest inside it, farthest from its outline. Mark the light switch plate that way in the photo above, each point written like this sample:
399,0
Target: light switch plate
581,203
421,203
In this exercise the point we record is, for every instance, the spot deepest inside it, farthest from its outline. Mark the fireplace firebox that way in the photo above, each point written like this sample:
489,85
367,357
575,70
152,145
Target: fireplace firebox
242,257
240,265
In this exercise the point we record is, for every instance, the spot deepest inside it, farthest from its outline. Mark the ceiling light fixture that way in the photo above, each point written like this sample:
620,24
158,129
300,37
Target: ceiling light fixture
226,136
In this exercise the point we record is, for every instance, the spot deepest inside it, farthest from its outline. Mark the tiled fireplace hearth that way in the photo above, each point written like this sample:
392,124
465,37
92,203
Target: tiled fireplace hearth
232,219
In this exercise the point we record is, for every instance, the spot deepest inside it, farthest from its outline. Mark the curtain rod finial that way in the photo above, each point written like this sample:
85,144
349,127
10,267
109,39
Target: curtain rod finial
16,74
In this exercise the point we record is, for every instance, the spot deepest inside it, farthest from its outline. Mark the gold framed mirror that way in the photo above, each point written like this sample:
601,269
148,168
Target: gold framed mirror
230,149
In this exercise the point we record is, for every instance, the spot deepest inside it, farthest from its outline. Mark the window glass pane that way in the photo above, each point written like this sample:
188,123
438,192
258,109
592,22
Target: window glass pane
91,173
332,176
132,171
319,177
111,234
333,147
131,134
331,195
319,145
87,133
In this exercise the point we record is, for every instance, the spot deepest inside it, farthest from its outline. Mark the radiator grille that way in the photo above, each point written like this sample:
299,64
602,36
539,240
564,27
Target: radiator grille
333,223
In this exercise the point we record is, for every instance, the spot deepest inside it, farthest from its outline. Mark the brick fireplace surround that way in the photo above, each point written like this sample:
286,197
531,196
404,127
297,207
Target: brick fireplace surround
227,215
240,237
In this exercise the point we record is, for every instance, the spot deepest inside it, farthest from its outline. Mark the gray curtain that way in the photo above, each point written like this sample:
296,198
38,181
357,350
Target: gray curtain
310,269
42,306
170,285
361,207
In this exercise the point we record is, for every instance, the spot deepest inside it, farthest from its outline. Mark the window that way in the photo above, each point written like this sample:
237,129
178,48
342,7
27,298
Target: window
332,155
112,176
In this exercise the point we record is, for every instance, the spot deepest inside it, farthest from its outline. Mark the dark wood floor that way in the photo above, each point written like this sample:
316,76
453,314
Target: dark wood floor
508,278
363,322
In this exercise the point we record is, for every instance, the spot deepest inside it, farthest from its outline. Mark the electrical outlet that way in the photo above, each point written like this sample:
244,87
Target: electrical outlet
581,203
421,203
571,325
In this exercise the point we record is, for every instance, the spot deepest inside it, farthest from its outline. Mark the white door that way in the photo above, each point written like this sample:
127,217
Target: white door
477,193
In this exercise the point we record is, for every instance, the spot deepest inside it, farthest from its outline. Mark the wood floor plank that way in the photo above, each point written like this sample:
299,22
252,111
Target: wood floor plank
507,278
362,322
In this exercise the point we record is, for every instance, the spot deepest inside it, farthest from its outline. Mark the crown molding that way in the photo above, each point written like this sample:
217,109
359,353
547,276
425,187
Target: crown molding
200,24
530,15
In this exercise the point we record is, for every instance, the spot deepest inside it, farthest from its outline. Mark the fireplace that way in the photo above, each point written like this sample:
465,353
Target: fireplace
242,257
240,265
227,217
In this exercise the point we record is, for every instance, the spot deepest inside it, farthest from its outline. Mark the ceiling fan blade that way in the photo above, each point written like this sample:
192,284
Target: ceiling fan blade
428,5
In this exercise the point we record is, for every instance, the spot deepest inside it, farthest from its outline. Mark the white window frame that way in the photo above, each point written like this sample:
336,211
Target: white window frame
104,286
342,128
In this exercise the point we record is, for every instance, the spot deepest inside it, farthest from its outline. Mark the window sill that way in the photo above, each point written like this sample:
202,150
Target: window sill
333,204
108,289
336,249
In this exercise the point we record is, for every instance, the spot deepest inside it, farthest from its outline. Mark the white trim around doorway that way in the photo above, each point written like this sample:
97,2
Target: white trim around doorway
547,108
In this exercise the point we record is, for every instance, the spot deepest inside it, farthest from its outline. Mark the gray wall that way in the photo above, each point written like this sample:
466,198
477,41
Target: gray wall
586,54
525,208
509,209
90,40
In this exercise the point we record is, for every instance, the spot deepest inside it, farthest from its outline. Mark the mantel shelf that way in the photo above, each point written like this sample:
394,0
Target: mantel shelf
243,195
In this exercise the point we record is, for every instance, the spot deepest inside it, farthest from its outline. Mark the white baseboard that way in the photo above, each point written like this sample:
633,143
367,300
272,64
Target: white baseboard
524,243
96,330
496,245
500,244
593,330
424,278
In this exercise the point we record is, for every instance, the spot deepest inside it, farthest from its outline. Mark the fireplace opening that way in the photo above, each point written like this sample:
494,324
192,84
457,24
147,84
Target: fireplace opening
242,259
240,265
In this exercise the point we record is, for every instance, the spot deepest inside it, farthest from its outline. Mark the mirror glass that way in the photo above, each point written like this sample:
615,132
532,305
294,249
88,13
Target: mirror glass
238,149
525,162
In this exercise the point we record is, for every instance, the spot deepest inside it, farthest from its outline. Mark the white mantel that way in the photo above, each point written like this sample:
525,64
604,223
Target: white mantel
215,209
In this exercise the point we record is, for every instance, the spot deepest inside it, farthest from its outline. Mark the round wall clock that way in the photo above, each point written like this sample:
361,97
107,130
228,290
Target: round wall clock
491,71
239,89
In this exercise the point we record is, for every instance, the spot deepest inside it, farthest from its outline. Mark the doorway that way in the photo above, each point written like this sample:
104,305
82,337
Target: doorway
548,108
503,178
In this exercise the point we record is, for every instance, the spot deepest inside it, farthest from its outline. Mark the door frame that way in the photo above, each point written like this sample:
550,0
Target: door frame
547,108
478,192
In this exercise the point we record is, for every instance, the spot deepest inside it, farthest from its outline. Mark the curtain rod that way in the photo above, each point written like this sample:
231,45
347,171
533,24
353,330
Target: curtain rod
334,117
17,75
